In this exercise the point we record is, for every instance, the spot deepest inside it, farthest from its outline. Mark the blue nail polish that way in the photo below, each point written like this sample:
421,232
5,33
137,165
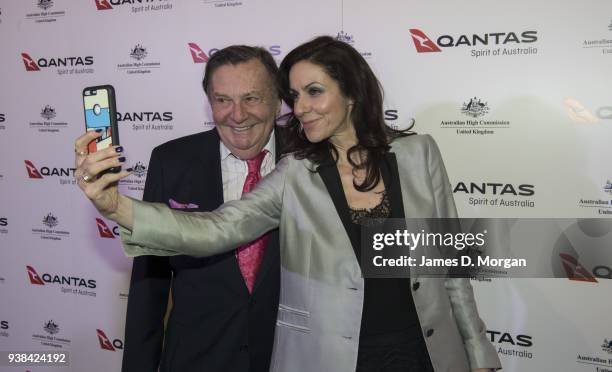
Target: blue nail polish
129,169
122,159
119,149
98,130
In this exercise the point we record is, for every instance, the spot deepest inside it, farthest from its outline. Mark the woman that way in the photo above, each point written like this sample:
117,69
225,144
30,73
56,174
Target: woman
346,165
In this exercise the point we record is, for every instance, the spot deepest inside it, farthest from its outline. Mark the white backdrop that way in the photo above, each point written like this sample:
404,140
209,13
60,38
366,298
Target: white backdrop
540,120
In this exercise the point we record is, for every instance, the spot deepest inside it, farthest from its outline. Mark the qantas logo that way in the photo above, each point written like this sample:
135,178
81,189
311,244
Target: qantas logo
505,337
199,56
145,116
492,188
34,278
59,279
32,171
423,43
46,171
29,63
103,229
103,5
105,342
574,270
197,53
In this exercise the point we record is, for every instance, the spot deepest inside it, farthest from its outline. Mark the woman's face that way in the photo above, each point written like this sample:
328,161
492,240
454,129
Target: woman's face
322,109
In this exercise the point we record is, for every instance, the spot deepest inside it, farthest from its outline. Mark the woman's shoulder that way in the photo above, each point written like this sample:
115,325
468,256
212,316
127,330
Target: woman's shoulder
412,143
292,160
291,164
288,158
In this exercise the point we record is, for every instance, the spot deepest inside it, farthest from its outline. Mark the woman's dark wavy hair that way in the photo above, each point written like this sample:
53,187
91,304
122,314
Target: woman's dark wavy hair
357,81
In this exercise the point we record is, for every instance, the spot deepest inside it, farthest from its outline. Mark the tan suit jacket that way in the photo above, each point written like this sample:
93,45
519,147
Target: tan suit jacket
321,297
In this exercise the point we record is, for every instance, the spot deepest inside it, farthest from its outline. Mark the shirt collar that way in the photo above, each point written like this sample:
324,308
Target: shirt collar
270,147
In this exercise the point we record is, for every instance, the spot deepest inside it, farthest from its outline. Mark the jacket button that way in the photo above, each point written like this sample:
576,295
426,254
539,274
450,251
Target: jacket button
416,286
429,332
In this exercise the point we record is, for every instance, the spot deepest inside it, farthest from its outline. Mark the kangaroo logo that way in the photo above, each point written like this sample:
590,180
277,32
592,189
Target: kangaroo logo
104,341
34,278
422,43
103,5
32,171
103,229
29,63
197,53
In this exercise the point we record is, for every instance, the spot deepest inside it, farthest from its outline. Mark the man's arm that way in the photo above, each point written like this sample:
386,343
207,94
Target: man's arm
148,296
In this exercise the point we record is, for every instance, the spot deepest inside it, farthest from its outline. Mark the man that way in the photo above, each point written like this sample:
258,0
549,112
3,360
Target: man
223,307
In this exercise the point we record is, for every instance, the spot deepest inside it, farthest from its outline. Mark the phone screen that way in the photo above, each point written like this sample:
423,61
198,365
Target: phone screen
98,116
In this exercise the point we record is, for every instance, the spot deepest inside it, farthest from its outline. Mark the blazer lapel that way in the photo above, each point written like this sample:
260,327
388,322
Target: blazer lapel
331,178
393,185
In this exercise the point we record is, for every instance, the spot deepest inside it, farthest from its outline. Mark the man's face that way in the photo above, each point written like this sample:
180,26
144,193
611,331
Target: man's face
244,107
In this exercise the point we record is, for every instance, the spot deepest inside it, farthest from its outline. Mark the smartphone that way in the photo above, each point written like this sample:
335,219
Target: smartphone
101,113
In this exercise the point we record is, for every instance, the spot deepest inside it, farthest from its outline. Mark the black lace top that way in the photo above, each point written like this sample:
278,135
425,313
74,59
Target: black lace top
372,216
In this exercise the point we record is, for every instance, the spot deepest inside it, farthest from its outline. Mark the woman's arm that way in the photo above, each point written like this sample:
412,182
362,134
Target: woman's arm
155,229
161,231
480,351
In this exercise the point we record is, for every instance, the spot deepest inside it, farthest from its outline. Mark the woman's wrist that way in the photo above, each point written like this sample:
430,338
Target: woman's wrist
123,214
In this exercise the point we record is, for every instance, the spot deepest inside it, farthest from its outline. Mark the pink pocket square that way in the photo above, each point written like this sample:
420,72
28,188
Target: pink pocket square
176,205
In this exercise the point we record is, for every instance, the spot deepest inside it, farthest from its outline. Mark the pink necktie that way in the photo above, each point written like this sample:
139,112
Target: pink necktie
251,255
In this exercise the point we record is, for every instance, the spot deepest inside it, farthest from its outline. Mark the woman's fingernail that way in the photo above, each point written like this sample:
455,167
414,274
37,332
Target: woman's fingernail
99,130
129,169
121,159
119,149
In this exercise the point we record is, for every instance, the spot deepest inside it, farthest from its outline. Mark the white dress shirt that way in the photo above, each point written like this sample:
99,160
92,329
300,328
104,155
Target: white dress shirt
234,170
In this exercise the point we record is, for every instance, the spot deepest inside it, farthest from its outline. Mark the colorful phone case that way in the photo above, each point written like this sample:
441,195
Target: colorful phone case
100,113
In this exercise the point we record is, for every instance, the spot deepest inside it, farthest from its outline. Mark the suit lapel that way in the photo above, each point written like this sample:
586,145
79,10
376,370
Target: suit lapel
208,181
197,174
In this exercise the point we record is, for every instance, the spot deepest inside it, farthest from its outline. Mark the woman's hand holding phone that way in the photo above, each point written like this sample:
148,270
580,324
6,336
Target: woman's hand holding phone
99,185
